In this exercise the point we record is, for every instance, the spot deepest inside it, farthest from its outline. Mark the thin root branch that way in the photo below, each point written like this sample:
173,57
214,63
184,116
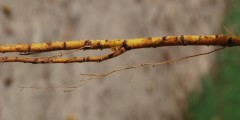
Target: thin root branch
53,59
148,64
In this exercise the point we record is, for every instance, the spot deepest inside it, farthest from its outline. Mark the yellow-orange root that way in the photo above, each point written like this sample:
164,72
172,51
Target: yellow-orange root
218,40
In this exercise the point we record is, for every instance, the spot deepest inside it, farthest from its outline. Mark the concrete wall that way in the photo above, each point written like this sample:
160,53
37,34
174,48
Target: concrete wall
152,94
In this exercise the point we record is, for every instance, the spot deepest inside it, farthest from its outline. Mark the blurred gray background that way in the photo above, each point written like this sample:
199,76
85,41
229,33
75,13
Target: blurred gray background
153,93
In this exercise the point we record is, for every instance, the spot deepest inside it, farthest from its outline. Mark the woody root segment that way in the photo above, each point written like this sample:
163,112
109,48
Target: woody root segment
119,46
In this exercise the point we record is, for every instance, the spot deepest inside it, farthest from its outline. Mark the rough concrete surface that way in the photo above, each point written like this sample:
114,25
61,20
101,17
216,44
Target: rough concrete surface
153,93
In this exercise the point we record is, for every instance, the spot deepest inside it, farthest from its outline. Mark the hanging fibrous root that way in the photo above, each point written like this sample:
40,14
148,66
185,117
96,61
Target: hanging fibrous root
90,77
